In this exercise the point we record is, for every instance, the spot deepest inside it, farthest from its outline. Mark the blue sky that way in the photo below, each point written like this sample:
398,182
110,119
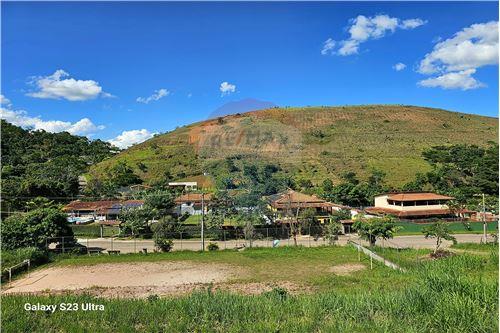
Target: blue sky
122,71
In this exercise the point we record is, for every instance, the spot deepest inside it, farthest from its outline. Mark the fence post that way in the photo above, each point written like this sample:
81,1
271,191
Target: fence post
267,236
371,260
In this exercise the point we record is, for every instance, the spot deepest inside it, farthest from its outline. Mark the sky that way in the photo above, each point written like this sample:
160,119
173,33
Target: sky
123,71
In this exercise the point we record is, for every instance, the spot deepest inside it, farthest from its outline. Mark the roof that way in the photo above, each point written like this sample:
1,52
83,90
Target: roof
89,205
193,197
398,213
293,199
415,196
102,205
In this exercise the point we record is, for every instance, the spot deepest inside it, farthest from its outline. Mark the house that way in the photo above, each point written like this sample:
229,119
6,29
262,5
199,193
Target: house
286,205
414,205
191,203
187,186
82,212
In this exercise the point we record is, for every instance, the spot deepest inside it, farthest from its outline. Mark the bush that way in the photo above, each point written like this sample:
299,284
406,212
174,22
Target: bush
34,228
164,244
212,246
14,257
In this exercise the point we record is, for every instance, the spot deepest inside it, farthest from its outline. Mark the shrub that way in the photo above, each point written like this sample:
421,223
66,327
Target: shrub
17,256
34,228
212,246
164,244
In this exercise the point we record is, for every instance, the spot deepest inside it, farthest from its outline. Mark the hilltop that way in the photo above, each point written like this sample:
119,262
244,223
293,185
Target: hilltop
309,143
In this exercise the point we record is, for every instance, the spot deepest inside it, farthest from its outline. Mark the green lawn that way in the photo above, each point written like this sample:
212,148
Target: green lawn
411,228
93,230
455,294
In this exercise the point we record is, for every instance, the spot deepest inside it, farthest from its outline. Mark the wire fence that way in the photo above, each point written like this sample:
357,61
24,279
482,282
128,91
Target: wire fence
192,239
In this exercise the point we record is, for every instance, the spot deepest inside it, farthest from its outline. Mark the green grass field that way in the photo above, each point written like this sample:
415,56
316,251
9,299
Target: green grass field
410,228
454,294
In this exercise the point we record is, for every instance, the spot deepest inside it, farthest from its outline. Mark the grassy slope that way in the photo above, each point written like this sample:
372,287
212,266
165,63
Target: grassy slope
313,142
458,294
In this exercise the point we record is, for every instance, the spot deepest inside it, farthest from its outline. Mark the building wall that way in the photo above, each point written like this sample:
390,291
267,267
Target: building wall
381,201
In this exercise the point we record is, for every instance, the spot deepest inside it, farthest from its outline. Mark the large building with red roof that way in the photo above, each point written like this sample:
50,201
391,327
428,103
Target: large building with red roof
414,205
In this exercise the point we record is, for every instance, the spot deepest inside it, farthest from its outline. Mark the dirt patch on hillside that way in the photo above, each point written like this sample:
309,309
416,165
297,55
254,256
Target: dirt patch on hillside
168,277
346,269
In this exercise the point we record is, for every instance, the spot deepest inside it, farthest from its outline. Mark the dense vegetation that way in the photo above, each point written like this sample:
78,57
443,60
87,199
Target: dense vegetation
43,164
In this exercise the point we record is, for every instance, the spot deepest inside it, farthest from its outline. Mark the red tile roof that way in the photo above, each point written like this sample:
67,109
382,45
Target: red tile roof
193,197
397,213
417,196
89,205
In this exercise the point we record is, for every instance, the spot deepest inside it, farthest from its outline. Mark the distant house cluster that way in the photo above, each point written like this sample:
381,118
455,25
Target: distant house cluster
104,211
284,207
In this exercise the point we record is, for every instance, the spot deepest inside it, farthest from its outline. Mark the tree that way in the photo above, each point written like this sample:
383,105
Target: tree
35,229
440,231
158,203
372,228
163,233
121,174
248,221
221,207
36,163
135,220
332,231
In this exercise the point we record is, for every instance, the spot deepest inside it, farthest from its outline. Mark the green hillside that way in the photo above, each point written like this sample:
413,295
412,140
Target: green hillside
308,143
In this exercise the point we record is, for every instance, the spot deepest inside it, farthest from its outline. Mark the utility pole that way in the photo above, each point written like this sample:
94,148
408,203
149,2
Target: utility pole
202,221
484,220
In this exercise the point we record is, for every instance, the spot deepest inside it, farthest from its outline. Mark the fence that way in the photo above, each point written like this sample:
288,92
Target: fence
190,239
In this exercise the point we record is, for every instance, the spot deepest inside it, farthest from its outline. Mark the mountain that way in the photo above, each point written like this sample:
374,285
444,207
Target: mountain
241,106
312,143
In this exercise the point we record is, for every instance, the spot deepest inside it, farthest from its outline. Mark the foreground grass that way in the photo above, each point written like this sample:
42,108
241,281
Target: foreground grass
448,295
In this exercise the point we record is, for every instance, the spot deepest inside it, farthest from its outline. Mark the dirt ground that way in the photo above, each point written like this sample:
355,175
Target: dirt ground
127,279
139,280
346,269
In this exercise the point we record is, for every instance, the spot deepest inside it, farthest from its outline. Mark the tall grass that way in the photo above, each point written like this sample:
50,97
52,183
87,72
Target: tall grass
448,296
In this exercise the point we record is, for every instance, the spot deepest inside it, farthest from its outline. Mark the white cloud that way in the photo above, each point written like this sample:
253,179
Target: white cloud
59,85
412,23
227,88
454,60
129,138
328,46
399,66
454,80
364,28
4,100
21,118
158,94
